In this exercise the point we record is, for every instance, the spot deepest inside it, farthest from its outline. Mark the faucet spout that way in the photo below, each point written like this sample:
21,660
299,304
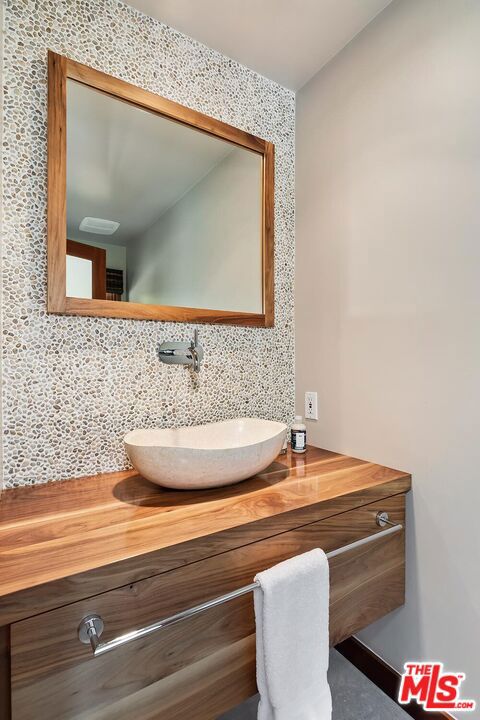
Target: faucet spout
194,352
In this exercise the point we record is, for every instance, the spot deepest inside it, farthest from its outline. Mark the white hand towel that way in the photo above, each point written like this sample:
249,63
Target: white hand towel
291,614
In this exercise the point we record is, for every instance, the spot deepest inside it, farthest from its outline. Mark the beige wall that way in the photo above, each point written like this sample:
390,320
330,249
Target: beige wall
388,296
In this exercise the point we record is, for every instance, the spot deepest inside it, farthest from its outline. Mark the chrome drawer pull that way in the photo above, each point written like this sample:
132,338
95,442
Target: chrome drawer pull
91,626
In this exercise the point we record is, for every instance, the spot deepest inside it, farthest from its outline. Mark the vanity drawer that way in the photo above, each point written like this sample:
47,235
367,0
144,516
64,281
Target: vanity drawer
206,664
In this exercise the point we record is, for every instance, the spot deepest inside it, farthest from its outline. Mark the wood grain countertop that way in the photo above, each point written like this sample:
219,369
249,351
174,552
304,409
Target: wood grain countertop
61,537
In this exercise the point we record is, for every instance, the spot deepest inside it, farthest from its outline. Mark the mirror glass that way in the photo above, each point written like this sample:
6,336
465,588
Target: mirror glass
157,211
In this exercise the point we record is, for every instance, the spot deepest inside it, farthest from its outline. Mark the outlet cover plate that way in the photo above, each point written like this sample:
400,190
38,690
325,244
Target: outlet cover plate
311,406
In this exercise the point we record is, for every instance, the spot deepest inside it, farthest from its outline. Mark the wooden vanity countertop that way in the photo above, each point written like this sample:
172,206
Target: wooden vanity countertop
94,530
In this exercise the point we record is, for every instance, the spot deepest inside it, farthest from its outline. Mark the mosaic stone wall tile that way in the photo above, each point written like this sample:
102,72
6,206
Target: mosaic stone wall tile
73,386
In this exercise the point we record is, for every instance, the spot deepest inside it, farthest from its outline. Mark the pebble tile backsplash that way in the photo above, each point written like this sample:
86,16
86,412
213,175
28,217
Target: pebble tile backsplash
73,386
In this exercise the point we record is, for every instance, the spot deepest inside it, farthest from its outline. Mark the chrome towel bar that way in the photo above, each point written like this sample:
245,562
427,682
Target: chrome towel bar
91,626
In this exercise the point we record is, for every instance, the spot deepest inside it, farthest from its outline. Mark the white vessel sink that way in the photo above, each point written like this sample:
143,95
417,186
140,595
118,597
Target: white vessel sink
205,456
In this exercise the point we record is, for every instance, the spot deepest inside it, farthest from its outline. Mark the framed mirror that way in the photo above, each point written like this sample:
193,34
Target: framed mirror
155,211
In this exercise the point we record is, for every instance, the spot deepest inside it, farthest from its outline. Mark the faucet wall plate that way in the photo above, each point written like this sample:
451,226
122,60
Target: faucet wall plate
167,353
182,353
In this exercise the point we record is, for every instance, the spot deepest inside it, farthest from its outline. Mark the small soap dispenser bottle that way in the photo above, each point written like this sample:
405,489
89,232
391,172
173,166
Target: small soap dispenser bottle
299,435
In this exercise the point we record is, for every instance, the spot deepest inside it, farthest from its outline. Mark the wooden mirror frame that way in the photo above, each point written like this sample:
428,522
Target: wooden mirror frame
59,69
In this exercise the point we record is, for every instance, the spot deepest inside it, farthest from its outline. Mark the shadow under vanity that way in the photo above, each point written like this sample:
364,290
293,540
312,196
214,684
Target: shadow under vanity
133,553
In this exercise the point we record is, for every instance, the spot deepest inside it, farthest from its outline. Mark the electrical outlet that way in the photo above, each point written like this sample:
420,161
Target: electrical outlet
311,406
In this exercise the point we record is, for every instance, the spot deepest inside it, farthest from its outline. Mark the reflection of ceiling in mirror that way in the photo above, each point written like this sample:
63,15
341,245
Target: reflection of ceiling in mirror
127,164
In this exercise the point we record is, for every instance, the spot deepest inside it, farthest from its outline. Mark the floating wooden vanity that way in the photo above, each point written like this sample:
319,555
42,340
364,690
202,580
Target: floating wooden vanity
134,553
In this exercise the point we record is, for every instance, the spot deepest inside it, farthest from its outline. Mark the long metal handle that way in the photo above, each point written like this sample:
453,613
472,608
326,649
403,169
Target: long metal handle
91,626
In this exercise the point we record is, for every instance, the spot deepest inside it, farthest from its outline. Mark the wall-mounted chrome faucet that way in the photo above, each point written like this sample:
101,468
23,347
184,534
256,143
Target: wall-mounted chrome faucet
181,353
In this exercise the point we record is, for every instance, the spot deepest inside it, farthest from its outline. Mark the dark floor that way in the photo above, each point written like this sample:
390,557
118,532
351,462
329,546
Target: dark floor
354,697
